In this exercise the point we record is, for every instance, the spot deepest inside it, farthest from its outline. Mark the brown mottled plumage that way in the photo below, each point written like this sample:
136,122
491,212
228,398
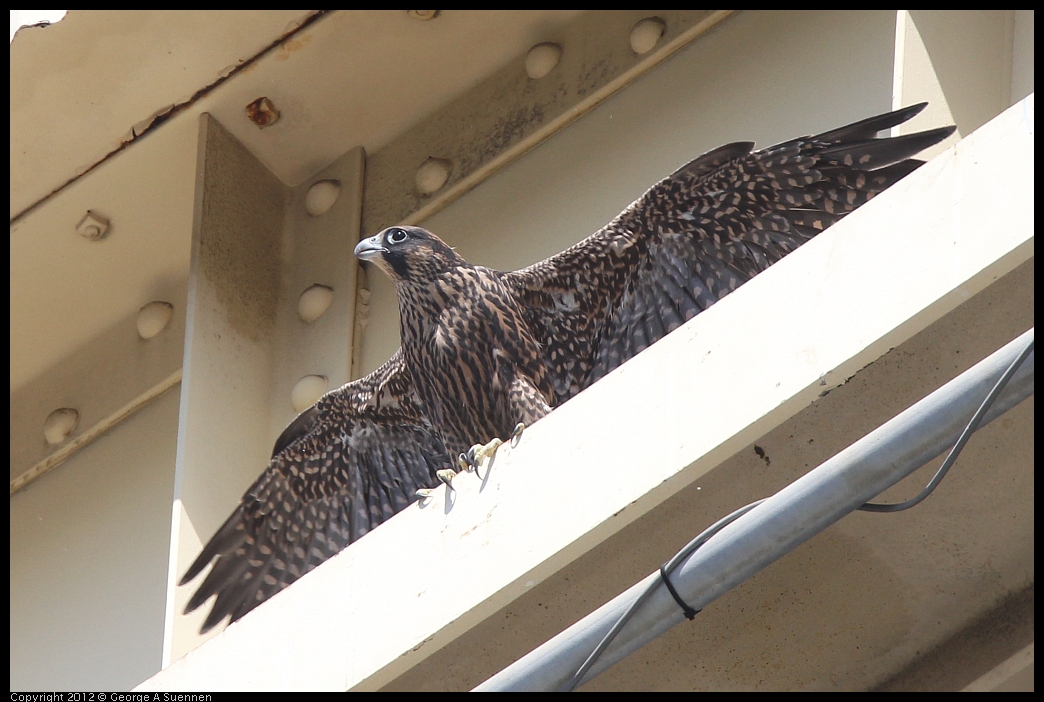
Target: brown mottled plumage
483,350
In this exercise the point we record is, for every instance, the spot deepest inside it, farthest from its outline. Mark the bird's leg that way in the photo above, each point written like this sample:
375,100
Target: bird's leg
476,453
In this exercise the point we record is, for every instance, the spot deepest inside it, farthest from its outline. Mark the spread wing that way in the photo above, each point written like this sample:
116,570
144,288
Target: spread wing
342,467
696,236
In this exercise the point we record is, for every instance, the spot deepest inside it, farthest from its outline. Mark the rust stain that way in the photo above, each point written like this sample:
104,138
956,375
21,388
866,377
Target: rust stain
289,46
262,112
152,123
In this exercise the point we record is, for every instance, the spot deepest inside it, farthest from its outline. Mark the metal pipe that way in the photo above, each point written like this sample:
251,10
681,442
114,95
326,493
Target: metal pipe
782,522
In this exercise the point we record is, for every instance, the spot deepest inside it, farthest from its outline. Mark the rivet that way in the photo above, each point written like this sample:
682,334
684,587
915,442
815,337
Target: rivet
646,34
59,424
93,226
432,175
321,196
541,59
423,15
154,318
308,390
262,112
313,302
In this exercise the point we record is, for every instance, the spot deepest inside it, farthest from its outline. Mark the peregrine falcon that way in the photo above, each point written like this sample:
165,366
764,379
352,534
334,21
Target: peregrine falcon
485,351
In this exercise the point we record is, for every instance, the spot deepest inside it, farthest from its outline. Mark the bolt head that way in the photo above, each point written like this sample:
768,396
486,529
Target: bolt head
59,424
93,226
541,59
646,34
432,175
321,197
313,302
154,318
262,112
308,390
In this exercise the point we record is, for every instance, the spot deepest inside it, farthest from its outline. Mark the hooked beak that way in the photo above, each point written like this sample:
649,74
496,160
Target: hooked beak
369,249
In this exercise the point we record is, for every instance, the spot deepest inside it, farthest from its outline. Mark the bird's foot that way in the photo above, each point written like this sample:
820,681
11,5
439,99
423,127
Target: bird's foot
473,458
446,475
476,453
516,433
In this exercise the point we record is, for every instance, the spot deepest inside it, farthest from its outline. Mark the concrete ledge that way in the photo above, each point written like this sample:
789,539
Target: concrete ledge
645,432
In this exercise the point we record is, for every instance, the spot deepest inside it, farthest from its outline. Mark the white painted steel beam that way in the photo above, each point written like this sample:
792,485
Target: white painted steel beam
627,444
777,525
258,245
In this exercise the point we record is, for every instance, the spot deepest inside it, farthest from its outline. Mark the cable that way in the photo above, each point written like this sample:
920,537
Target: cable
973,425
665,570
706,535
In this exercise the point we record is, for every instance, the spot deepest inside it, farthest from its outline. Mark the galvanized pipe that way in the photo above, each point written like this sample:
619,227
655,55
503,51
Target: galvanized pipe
781,523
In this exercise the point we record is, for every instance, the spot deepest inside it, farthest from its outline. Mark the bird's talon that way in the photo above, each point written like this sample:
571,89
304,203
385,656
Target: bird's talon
464,462
478,452
424,493
516,433
446,475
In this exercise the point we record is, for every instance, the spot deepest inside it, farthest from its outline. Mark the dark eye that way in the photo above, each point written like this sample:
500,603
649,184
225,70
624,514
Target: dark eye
397,236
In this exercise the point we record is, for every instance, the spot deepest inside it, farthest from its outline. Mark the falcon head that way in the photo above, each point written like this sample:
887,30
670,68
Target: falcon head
408,254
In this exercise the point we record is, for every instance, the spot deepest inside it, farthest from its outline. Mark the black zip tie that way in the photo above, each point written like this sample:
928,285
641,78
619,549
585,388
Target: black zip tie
689,549
690,613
